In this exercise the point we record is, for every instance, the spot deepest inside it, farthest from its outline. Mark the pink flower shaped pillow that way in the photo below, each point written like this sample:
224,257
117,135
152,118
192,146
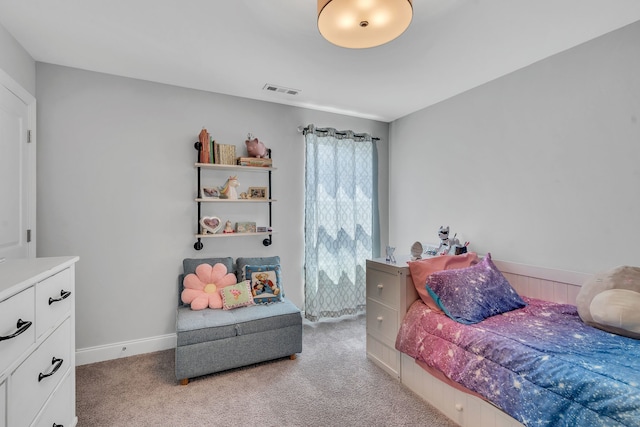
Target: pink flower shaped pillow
202,289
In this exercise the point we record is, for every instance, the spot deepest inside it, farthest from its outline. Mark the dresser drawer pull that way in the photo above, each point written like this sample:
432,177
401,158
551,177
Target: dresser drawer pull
57,425
57,363
380,286
63,294
379,319
22,326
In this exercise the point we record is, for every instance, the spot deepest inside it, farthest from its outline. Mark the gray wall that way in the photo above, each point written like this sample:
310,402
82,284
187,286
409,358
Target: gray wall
16,62
116,186
541,166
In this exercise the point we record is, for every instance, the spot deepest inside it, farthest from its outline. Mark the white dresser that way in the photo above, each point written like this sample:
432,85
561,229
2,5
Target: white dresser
37,342
390,292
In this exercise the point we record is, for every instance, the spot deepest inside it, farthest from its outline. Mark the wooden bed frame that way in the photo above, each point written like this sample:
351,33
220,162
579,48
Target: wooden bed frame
463,408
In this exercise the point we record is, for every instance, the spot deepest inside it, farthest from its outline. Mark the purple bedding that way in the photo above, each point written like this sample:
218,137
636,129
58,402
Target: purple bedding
540,364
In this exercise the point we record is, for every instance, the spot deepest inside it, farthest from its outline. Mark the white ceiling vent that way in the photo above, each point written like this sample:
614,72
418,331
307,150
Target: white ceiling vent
281,89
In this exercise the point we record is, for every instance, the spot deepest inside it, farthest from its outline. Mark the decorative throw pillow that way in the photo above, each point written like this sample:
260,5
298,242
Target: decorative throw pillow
265,283
202,289
472,294
421,269
611,301
242,263
238,295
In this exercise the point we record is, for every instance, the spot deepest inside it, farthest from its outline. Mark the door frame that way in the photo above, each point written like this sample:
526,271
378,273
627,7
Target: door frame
13,86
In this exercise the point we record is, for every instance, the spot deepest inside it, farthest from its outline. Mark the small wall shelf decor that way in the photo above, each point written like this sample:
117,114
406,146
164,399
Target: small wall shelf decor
211,226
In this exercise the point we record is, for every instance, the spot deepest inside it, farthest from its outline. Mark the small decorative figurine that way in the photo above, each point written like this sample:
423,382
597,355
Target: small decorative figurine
228,228
255,148
416,251
204,146
390,257
228,190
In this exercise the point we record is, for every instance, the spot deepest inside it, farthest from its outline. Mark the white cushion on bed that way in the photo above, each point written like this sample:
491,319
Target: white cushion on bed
611,301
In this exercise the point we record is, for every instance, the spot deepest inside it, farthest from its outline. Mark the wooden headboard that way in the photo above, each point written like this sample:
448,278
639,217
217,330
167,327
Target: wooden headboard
543,283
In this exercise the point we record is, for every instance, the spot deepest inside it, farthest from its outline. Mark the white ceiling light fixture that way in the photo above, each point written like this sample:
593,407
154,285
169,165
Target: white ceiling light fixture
360,24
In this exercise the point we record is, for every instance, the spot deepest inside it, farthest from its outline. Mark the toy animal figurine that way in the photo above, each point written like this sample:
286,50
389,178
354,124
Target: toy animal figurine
228,190
255,148
446,243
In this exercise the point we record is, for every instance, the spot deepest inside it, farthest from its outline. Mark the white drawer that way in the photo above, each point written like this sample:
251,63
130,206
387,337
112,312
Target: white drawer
17,308
3,404
382,322
382,287
59,409
388,358
39,375
54,300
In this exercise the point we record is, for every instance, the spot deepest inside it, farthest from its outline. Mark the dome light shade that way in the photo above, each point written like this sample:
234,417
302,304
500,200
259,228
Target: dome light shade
359,24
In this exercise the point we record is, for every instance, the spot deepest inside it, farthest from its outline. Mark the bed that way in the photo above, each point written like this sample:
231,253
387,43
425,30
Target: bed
534,365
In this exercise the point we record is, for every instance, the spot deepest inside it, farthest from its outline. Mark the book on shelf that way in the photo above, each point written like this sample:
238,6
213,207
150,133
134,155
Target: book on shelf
254,161
223,152
216,152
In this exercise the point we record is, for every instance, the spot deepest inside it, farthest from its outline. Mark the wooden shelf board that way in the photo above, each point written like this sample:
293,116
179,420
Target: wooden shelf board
234,167
235,201
266,233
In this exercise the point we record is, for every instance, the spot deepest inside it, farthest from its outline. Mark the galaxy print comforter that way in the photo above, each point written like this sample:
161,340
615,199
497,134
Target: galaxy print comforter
540,364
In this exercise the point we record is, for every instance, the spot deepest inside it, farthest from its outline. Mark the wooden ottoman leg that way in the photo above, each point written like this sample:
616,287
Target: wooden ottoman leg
293,357
184,381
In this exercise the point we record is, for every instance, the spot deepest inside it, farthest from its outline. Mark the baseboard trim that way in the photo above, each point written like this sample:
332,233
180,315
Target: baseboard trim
102,353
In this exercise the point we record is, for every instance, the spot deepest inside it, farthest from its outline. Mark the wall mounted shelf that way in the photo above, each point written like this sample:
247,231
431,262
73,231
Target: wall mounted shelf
200,167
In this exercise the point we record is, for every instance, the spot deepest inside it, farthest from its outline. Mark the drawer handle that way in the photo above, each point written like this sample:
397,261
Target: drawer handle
63,294
57,425
22,326
379,319
57,363
380,286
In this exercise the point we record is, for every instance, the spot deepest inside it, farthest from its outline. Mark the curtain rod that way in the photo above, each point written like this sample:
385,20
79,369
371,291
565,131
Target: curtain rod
306,129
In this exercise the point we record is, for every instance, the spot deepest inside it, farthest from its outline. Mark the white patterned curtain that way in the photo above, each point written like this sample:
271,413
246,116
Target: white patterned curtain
341,220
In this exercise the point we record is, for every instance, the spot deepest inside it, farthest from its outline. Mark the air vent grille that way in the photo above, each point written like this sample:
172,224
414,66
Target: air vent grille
281,89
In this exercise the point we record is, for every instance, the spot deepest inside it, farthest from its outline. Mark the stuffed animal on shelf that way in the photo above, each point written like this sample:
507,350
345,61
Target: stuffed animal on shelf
255,148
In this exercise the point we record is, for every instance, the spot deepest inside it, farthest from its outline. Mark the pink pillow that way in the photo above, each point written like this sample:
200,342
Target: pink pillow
423,268
202,289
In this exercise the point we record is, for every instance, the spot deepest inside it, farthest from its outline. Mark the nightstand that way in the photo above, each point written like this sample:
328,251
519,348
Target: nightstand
390,292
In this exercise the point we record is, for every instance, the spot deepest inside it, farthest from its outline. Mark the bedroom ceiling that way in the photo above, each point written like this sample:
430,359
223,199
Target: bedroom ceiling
236,47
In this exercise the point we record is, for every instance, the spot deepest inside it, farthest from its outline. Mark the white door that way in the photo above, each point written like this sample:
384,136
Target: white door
17,185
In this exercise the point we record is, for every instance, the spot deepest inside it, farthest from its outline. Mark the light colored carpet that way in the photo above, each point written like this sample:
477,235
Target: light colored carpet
331,383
